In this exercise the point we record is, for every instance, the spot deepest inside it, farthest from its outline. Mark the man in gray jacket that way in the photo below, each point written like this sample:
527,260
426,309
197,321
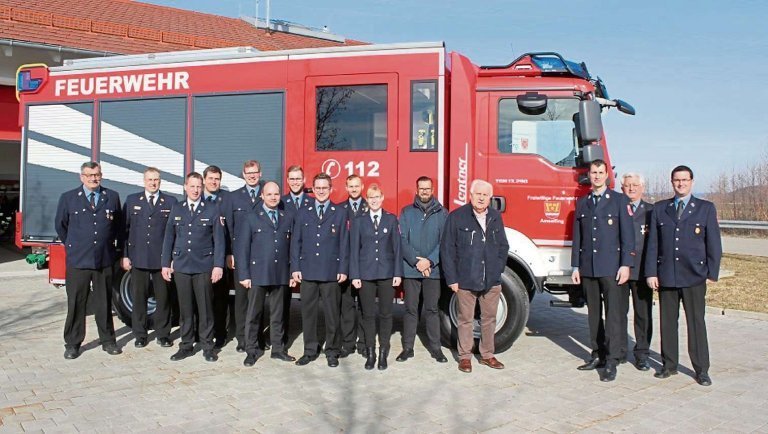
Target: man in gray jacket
421,225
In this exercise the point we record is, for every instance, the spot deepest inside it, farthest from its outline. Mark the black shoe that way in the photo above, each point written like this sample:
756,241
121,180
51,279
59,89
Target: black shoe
404,355
305,360
642,365
112,349
165,342
665,373
333,361
219,343
140,343
282,355
181,354
703,379
439,356
610,372
383,353
623,360
250,360
210,356
591,365
363,352
240,348
370,361
345,352
71,353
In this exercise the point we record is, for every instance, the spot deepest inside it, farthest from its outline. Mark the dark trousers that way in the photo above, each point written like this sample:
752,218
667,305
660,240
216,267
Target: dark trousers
371,289
430,289
141,280
240,306
642,304
606,337
350,322
255,316
287,297
693,303
311,292
78,283
220,304
195,290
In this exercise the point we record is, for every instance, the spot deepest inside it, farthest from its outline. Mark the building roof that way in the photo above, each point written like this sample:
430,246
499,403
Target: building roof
130,27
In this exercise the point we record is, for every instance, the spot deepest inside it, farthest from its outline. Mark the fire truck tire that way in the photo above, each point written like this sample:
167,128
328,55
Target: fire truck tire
511,317
122,301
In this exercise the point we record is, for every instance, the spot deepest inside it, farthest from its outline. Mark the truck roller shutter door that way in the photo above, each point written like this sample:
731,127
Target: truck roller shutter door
229,129
58,140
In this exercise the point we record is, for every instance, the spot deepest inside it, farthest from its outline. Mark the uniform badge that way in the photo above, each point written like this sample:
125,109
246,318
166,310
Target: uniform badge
610,221
697,230
177,218
136,207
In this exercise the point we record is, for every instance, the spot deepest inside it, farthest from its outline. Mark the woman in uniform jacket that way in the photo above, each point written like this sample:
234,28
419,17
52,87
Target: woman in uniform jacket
376,267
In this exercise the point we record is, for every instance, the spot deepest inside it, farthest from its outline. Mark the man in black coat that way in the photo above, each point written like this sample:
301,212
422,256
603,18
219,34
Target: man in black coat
602,254
88,222
193,252
684,251
320,262
261,250
473,252
633,185
145,216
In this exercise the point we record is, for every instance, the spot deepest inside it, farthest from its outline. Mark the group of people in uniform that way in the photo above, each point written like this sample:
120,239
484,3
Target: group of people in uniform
347,259
624,245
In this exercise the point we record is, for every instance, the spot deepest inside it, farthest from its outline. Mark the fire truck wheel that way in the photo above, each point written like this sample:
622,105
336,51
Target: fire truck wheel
511,317
122,300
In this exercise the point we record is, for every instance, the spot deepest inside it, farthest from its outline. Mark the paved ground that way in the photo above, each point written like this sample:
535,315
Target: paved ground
141,390
746,246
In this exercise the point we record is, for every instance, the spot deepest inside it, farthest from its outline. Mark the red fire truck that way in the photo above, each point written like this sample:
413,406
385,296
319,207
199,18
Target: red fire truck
389,113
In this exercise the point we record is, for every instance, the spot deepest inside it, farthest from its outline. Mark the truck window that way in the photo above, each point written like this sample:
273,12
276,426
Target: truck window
136,134
424,116
551,134
229,129
351,118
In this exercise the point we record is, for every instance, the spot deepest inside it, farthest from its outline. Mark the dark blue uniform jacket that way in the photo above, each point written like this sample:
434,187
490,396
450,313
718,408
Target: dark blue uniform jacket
195,243
145,229
375,254
90,236
687,252
262,249
641,219
320,249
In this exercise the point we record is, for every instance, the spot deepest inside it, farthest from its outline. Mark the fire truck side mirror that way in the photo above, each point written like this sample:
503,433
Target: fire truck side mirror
625,107
590,124
590,153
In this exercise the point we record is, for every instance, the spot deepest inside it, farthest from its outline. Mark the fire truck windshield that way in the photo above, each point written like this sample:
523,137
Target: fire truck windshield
551,134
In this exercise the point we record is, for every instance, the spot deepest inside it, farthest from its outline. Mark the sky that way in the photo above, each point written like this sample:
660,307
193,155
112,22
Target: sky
695,71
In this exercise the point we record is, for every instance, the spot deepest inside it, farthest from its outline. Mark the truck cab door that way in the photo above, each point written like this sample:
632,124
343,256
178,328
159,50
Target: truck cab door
352,128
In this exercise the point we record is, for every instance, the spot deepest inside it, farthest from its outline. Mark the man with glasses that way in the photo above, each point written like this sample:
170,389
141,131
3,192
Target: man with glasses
89,223
684,251
320,262
296,198
235,206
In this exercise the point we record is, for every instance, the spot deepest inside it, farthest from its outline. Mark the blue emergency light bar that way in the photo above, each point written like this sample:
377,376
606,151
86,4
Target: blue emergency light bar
554,63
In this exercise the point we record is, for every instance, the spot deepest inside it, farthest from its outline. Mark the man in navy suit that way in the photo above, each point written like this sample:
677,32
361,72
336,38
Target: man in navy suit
88,222
684,251
212,192
261,250
351,324
193,252
633,185
235,207
320,262
145,216
296,197
376,268
602,254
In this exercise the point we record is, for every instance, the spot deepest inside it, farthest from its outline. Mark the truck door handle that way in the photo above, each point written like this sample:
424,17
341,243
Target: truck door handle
499,203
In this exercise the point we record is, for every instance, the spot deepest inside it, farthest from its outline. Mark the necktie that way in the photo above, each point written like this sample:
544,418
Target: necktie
151,201
596,198
192,208
253,196
634,208
354,206
92,200
273,217
680,206
296,202
376,222
320,209
211,198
